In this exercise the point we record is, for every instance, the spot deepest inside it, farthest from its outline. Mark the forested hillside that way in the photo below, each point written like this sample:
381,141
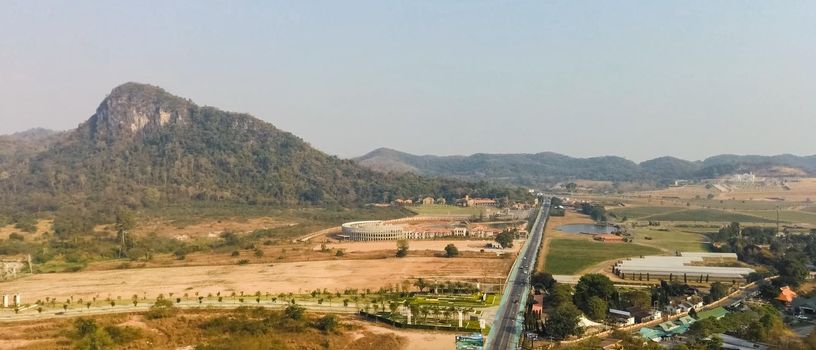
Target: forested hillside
144,146
548,168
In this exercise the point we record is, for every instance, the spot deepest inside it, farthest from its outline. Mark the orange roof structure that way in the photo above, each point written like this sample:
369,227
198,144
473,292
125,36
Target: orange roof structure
538,305
786,294
607,237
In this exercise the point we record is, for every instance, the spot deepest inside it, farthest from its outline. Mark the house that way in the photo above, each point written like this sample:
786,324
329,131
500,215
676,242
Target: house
620,317
460,231
476,202
428,200
668,326
538,304
786,295
647,315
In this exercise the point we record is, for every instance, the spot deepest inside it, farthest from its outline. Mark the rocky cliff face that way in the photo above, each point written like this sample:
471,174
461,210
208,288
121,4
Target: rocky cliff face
134,109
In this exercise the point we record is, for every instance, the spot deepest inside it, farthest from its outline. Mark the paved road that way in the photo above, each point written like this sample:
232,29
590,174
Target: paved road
507,327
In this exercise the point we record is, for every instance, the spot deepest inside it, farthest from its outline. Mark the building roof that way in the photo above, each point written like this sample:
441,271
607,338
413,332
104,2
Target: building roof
651,333
686,320
786,294
667,326
735,343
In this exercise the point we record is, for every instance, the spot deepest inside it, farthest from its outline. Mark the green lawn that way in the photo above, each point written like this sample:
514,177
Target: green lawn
672,240
441,210
810,209
707,215
570,256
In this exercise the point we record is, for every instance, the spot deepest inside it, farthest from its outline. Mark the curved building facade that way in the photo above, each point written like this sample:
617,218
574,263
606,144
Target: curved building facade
373,231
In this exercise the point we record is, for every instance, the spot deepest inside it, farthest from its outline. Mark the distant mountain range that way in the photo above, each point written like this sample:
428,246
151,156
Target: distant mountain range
145,146
548,168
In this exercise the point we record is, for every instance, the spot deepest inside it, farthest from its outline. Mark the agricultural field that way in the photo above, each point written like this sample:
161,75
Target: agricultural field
707,215
572,256
638,212
671,240
443,209
788,216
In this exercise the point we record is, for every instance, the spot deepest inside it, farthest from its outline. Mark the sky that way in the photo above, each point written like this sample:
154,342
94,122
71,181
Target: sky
638,79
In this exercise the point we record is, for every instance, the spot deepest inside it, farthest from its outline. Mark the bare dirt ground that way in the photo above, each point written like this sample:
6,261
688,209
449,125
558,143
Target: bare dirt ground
416,340
433,245
206,229
274,278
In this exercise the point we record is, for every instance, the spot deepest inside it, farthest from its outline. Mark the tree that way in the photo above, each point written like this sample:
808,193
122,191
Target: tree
717,291
402,248
563,322
505,239
91,336
596,308
421,284
593,285
792,271
562,294
543,281
639,300
125,221
451,250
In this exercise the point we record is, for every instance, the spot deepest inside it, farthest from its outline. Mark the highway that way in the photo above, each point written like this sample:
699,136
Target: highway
507,327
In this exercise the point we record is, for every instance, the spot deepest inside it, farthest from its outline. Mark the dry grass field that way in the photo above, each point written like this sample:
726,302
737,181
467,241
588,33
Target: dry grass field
800,191
274,278
206,228
43,226
184,330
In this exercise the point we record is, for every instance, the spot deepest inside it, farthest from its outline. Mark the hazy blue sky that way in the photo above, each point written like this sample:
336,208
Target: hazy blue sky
633,78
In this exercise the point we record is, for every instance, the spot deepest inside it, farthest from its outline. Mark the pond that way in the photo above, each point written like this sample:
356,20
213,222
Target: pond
586,228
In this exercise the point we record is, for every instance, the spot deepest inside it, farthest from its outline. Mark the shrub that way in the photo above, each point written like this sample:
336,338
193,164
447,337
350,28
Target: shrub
294,312
16,236
162,308
328,323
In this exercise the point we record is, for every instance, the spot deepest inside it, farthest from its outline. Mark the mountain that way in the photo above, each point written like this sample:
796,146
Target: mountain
144,146
19,146
548,168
